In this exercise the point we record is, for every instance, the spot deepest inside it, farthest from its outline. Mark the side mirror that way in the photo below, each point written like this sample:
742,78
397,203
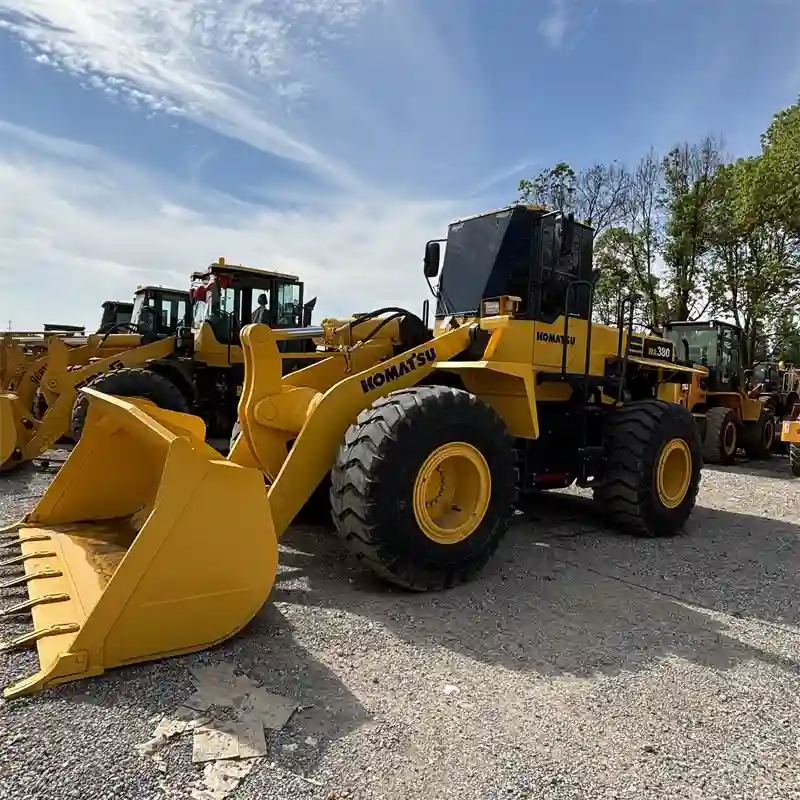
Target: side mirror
432,257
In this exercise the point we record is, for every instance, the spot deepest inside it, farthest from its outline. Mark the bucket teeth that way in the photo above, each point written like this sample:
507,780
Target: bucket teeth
27,605
31,638
25,557
24,579
11,531
16,541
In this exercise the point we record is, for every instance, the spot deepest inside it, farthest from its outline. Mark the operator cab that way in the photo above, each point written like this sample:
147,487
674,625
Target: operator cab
115,312
544,258
715,345
159,311
766,374
226,295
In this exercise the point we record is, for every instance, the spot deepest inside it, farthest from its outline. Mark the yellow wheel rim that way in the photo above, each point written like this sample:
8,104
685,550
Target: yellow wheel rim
452,492
674,473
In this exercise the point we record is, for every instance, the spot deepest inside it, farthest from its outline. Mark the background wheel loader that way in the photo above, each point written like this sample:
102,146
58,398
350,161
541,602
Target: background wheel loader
426,438
781,382
733,417
180,350
19,348
204,374
115,312
143,320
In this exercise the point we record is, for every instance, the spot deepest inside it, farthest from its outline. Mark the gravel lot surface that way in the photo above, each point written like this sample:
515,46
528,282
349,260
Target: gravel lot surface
583,664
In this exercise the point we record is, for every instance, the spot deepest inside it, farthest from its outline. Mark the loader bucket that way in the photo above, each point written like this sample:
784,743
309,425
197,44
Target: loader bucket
147,544
8,428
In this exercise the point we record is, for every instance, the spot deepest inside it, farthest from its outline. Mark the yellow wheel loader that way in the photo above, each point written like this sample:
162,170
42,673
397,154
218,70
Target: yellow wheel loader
163,354
424,438
19,348
780,383
733,418
204,373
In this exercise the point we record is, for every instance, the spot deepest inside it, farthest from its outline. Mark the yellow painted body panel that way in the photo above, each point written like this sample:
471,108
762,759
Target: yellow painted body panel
790,431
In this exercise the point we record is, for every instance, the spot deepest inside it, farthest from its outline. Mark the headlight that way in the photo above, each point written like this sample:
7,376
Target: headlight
491,308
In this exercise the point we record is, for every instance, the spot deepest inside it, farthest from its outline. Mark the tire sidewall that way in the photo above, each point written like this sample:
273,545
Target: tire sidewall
728,424
674,425
428,432
769,425
162,391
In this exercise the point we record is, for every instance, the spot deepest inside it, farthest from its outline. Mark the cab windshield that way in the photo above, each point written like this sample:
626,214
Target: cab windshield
702,344
469,260
144,313
209,301
289,312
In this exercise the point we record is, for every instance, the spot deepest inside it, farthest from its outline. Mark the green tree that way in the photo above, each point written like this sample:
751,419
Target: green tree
755,258
777,179
785,336
552,187
622,259
612,256
686,198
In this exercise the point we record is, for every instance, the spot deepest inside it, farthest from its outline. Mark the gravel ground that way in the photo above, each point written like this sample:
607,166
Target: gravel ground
585,665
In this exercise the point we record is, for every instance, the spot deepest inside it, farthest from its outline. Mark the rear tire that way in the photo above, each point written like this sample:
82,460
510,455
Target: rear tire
794,459
399,486
722,436
129,382
653,463
758,438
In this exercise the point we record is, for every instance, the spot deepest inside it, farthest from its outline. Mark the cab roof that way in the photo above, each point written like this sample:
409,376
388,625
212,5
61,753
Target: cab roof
528,206
232,269
711,323
154,288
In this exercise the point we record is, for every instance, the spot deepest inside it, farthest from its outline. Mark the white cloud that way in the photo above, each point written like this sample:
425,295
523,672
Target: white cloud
360,92
553,25
79,227
231,65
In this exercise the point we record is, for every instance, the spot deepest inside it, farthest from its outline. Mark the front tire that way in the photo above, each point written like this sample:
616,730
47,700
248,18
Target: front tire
424,486
652,474
129,382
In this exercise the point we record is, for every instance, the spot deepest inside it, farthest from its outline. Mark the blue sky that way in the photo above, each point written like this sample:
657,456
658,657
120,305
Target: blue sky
141,139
